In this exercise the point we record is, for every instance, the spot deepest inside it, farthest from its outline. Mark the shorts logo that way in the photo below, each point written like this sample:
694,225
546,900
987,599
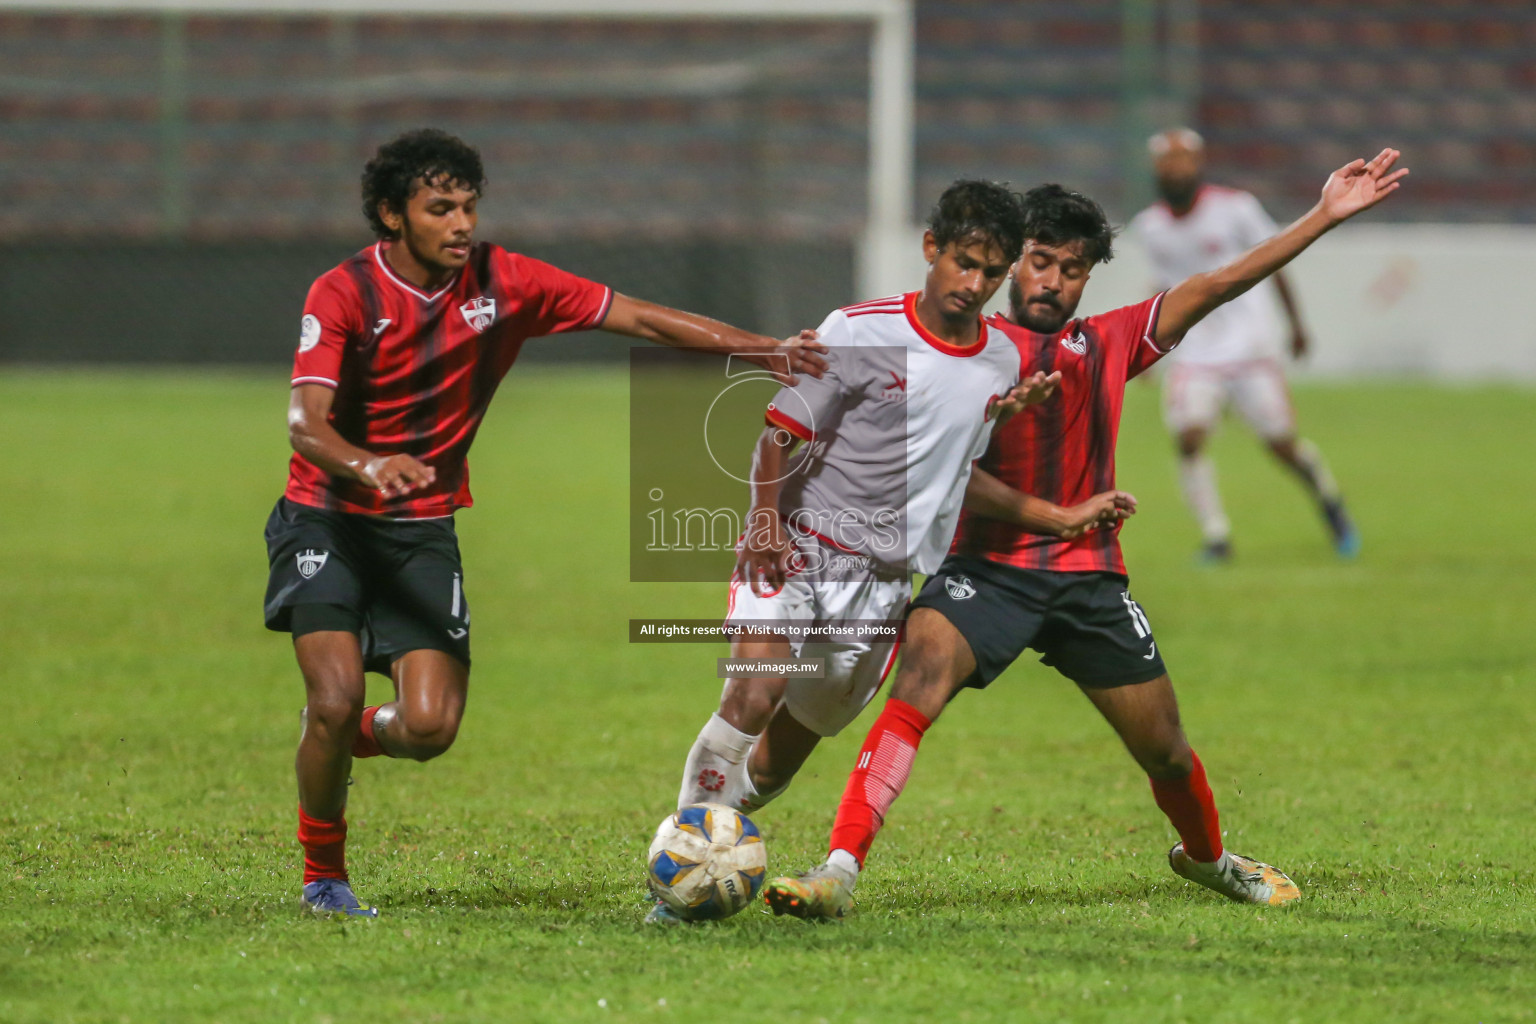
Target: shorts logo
960,588
311,561
1076,343
479,313
309,332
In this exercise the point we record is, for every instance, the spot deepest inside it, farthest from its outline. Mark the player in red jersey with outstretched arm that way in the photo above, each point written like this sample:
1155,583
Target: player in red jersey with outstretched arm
401,348
1003,588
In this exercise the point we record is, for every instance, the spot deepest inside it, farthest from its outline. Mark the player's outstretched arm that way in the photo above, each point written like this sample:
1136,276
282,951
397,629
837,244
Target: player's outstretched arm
988,496
762,561
312,436
784,359
1357,186
1031,391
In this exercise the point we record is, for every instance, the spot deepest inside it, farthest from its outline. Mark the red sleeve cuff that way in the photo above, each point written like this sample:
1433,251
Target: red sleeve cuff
774,418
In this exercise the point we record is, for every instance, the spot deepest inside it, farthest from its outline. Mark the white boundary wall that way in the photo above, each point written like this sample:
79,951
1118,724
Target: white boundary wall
1446,301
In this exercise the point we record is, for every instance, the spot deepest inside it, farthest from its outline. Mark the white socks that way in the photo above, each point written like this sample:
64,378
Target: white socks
716,769
1197,478
846,863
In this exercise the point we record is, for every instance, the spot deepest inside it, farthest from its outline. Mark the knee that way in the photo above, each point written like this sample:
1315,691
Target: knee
749,704
333,717
425,735
1190,442
924,683
1284,449
1171,759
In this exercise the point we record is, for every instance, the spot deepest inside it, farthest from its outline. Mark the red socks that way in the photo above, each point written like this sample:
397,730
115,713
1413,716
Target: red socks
1192,810
879,776
325,847
365,745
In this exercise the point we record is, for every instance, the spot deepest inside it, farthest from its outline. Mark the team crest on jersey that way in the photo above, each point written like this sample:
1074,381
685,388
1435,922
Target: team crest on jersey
960,588
479,313
309,332
1076,343
311,561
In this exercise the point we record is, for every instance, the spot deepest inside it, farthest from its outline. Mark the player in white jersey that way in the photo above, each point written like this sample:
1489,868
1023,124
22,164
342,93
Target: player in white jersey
1234,356
886,438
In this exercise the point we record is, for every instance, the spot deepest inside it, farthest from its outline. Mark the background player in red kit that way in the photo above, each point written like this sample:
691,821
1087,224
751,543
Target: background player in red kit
1003,588
400,350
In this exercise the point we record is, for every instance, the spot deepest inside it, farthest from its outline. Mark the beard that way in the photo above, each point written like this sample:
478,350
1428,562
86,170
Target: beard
1040,319
1180,193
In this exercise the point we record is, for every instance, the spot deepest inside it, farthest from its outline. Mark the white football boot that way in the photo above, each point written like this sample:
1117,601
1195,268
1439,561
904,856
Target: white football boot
1236,877
823,893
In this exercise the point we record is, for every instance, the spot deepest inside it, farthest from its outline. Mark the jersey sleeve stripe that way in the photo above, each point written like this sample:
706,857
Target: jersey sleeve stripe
889,300
1148,335
774,418
315,380
602,310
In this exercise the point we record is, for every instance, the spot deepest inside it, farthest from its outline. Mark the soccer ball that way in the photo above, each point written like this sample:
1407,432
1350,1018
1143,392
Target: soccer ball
707,862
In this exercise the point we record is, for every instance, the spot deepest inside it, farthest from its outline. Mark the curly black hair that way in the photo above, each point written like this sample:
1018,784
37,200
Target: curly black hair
970,208
1054,215
426,154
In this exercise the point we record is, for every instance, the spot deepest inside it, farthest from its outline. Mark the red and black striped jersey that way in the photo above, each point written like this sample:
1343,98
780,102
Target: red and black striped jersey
1063,450
414,372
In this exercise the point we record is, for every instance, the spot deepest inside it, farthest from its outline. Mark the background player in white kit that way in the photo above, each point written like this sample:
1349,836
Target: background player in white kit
913,387
1233,357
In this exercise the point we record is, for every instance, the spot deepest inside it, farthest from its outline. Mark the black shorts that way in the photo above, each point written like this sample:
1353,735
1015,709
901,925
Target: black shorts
398,584
1084,624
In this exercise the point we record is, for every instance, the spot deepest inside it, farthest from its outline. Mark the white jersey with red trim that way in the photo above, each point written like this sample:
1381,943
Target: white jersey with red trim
890,432
1222,224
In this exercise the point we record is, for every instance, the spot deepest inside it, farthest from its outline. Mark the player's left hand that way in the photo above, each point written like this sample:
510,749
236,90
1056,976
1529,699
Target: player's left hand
1360,185
1031,391
1103,510
799,354
1300,344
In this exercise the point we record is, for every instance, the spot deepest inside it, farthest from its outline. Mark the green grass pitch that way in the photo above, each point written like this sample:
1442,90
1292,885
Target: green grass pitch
1366,726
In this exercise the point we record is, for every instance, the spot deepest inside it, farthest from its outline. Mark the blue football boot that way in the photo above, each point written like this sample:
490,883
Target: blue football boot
335,896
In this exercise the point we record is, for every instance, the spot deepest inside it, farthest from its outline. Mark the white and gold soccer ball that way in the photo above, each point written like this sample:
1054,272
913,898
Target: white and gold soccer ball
707,862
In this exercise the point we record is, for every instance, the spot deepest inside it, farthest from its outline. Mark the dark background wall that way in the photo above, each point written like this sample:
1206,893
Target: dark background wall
241,303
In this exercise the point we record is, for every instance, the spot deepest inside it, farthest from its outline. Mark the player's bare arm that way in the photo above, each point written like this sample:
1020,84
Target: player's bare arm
1300,342
1353,188
1032,391
312,436
763,561
986,495
784,359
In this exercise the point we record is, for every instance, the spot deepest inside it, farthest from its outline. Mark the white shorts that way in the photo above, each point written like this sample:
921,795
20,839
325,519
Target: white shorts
1195,396
855,669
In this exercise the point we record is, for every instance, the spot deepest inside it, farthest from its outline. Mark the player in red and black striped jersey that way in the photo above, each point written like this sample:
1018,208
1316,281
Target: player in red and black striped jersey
1004,588
401,348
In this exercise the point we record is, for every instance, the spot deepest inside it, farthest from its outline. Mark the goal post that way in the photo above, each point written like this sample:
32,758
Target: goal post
889,200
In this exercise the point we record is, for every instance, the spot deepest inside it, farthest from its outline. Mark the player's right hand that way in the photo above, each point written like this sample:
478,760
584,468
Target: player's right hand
762,559
799,354
1104,509
396,475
